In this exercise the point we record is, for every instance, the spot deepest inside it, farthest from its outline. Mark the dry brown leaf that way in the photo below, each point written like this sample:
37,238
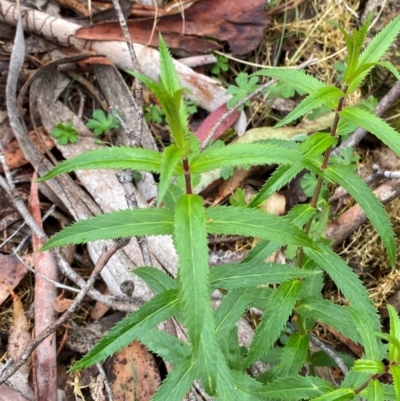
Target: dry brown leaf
14,155
241,24
8,394
12,272
19,336
61,304
135,375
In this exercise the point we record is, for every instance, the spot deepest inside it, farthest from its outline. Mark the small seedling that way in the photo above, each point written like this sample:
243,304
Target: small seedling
65,133
220,66
245,86
100,123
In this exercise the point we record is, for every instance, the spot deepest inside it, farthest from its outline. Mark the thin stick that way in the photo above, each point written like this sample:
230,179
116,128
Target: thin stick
135,140
246,99
101,262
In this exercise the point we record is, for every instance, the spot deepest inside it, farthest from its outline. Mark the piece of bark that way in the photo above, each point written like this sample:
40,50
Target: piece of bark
340,229
45,361
204,91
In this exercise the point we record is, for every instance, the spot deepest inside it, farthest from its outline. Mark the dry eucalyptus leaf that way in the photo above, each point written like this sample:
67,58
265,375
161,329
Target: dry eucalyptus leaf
134,374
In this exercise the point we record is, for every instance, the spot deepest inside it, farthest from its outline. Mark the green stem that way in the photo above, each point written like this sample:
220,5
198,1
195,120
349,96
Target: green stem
320,181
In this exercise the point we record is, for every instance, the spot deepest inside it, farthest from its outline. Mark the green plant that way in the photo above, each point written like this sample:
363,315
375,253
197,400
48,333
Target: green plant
212,352
65,133
220,66
245,86
100,123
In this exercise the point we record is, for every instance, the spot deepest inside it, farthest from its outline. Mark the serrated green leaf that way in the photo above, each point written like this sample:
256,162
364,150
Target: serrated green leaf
226,388
367,200
246,386
261,297
341,394
327,312
165,346
320,97
395,372
240,275
394,351
207,354
347,281
279,178
295,388
390,67
157,280
121,224
168,74
292,359
174,192
380,43
369,366
298,79
114,157
261,251
275,317
231,309
242,155
230,348
155,311
373,124
372,346
171,157
190,239
254,223
177,383
375,391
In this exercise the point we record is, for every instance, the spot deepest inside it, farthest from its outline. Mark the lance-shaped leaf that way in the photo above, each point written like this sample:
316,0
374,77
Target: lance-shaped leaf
327,312
275,316
341,394
319,98
171,157
373,348
240,275
226,387
158,309
295,388
347,281
395,372
298,79
373,124
369,366
231,309
292,359
125,223
312,147
191,245
246,386
156,279
380,43
178,382
394,351
376,391
113,157
280,177
165,346
370,204
244,154
168,75
255,223
207,354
